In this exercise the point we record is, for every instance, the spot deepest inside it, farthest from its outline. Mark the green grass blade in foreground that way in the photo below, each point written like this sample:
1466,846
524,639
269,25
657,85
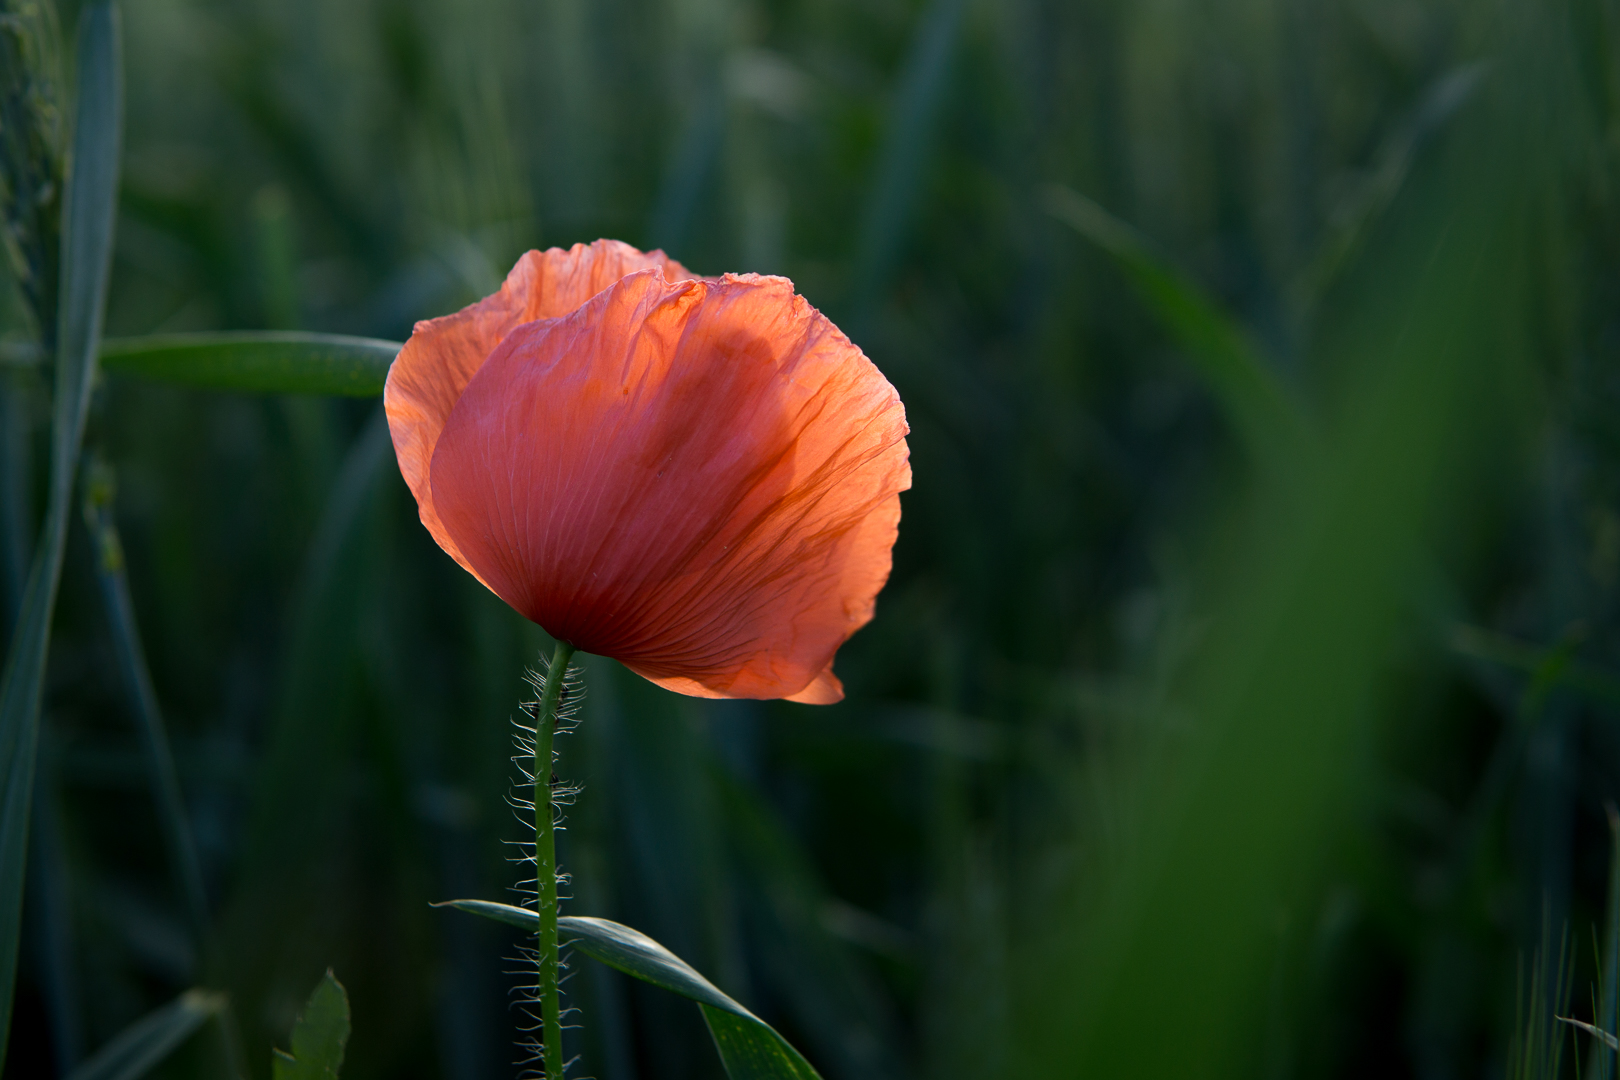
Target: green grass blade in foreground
258,361
750,1048
90,211
1256,405
1235,820
136,1049
319,1037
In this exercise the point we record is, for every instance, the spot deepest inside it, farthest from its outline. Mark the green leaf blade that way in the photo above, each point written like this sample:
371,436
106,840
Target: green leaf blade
283,1066
522,918
265,362
89,215
749,1047
1596,1032
322,1030
639,956
319,1037
751,1050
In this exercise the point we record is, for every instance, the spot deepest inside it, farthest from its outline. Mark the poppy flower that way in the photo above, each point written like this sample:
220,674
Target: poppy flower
698,477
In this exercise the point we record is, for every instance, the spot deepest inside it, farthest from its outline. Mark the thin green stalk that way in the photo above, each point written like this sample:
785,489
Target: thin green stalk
114,582
545,861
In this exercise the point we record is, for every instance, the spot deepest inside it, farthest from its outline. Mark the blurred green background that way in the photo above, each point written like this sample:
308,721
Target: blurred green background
1245,698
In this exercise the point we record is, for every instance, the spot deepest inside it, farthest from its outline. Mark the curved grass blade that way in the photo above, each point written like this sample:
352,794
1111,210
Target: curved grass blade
1265,419
258,361
90,211
1596,1032
153,1037
750,1048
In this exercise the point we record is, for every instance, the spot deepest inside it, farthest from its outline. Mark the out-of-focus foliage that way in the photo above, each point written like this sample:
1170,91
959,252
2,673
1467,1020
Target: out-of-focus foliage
139,1048
1160,759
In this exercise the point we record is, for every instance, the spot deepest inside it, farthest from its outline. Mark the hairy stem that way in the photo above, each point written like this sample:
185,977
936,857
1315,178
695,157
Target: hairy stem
545,861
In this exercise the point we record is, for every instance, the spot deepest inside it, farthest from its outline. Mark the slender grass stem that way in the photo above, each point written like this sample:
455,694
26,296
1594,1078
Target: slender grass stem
545,861
137,676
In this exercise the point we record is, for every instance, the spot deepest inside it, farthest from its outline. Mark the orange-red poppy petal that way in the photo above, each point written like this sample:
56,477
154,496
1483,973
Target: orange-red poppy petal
824,689
443,354
699,479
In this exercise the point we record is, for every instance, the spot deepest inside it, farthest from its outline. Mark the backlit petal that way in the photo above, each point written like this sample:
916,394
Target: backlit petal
699,479
824,689
443,354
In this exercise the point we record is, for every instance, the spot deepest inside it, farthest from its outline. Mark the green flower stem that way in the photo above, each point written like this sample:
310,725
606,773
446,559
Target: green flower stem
545,861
